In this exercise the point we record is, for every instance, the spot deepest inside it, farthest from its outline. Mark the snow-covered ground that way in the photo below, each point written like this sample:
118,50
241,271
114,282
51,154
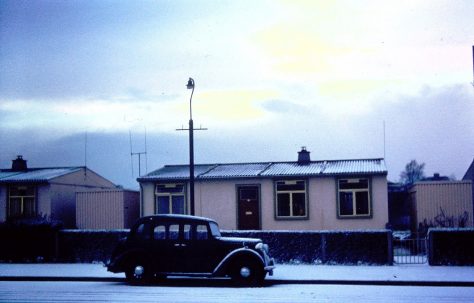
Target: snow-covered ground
282,272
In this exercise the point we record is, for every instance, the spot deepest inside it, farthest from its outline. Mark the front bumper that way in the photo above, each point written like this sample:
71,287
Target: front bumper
270,266
112,267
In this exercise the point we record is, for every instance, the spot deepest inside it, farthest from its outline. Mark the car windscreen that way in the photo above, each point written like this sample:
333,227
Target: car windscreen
215,230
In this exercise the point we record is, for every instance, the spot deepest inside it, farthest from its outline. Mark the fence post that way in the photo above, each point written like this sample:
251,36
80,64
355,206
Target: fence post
323,248
390,247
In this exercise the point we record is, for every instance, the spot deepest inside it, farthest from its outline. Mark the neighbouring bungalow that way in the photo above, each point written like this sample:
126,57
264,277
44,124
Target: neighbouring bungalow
51,192
299,195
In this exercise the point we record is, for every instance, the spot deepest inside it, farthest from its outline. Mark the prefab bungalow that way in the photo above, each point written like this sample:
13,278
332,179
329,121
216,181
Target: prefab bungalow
50,191
299,195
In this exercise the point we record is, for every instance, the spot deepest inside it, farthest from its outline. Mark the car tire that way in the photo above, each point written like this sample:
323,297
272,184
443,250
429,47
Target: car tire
247,272
138,272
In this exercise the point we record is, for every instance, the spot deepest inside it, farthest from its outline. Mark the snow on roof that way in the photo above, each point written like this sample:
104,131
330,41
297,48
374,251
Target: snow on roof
269,170
35,175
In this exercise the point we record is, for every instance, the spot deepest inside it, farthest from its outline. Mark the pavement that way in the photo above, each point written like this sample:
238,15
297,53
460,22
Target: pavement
415,275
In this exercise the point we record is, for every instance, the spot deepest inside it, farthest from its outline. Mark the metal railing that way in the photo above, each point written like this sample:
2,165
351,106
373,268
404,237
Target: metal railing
410,248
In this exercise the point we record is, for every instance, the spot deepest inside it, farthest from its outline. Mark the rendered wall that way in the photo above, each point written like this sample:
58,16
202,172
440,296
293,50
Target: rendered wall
218,200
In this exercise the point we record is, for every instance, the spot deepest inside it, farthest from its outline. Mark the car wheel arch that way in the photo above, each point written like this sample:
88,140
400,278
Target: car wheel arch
130,256
226,264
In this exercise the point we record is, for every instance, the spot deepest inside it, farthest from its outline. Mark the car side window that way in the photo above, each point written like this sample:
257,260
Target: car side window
159,232
187,232
173,232
201,232
143,232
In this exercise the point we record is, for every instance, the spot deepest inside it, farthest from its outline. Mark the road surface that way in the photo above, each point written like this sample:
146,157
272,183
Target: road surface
219,291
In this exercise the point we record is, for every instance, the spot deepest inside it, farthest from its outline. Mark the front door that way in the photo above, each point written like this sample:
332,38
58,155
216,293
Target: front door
248,201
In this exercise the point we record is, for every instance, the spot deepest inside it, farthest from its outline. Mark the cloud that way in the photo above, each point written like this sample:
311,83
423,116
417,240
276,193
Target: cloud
434,126
283,107
232,105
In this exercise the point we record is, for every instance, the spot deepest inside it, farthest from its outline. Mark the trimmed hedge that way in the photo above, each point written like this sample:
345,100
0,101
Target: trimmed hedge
367,247
311,247
326,247
88,245
451,246
28,240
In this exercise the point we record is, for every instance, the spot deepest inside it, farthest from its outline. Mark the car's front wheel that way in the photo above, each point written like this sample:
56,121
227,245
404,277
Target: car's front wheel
247,272
138,272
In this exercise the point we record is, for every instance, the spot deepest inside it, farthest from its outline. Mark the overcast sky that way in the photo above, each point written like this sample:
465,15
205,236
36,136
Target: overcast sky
271,76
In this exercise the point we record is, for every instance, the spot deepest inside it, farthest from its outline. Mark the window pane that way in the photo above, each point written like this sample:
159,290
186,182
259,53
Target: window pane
299,205
14,208
248,194
28,206
21,191
178,204
290,185
163,205
169,188
362,203
143,232
159,232
354,184
174,232
187,232
201,232
345,204
215,229
283,201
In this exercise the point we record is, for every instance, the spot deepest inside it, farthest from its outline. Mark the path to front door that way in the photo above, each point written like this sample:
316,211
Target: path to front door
248,201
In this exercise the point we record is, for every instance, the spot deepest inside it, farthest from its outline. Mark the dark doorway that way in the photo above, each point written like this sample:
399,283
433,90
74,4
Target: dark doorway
248,203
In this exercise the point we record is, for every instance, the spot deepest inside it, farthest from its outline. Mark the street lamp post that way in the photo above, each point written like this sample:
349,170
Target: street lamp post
190,85
191,130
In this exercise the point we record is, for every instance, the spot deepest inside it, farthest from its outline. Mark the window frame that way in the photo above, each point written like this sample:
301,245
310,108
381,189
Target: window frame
22,202
368,190
291,192
170,196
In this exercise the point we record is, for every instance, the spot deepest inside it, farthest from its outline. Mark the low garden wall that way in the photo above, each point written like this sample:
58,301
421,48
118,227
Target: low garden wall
447,246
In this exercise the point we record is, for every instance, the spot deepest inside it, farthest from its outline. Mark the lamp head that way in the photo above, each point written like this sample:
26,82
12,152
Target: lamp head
190,84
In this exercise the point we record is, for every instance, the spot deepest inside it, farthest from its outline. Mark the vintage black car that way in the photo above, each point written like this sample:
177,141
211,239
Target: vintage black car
179,245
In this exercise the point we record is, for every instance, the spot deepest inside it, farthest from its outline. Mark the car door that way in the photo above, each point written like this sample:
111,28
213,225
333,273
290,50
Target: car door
199,248
168,249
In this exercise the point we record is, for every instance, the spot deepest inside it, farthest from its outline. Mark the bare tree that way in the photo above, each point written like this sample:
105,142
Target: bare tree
412,173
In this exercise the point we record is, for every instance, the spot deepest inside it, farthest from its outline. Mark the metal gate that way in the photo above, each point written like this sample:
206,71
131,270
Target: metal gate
410,248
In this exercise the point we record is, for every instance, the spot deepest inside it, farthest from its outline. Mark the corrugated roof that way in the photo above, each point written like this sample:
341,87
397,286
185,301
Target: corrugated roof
177,172
293,169
268,170
35,174
235,170
368,166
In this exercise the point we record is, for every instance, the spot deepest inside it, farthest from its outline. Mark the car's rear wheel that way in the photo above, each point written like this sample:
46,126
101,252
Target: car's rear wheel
247,272
138,272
